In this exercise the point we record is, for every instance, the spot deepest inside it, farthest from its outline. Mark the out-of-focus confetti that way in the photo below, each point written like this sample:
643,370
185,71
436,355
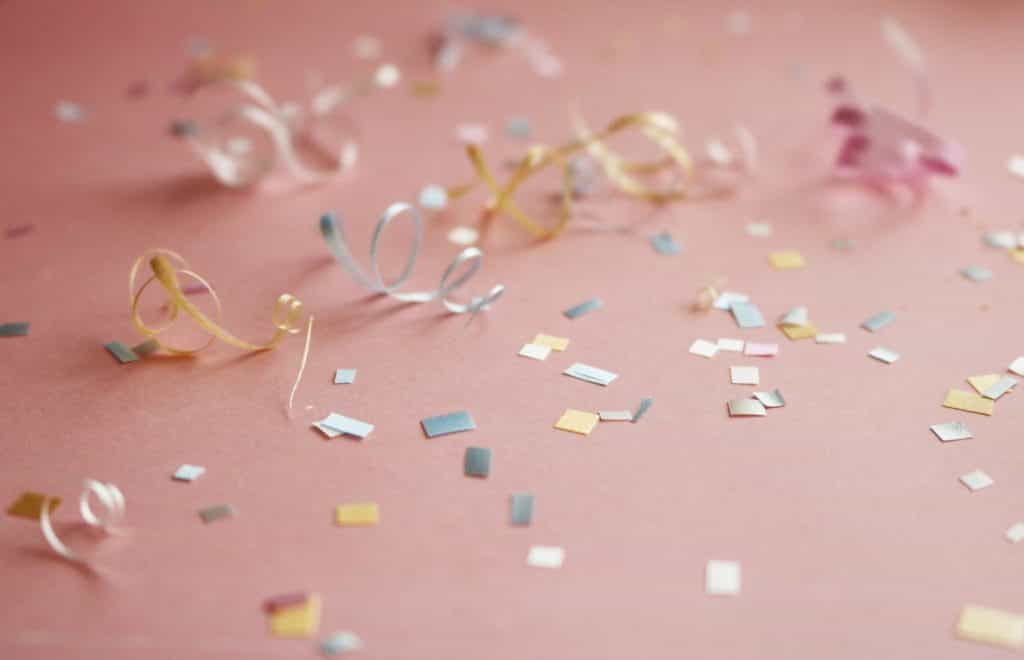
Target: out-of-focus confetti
16,329
68,112
878,321
991,626
340,642
747,315
739,22
297,621
188,472
521,509
517,127
217,512
786,260
731,345
544,556
30,505
584,307
758,349
1015,533
106,518
361,514
366,47
19,230
535,351
722,577
830,338
641,410
554,343
664,244
471,133
123,354
759,229
1017,366
976,273
464,236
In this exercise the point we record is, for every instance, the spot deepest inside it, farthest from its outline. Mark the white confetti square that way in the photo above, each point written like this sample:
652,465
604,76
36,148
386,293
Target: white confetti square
535,351
734,345
886,355
951,431
745,375
722,577
545,556
759,229
704,348
1017,366
746,408
463,236
976,480
725,300
615,415
1016,165
1015,534
188,472
976,273
757,349
830,338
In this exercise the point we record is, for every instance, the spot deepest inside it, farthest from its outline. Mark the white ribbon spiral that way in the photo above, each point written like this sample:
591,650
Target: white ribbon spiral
111,501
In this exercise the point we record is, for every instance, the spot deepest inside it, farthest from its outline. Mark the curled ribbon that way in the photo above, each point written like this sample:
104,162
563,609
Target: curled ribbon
334,234
106,518
166,267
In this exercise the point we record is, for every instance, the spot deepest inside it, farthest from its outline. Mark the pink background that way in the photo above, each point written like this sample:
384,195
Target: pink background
855,537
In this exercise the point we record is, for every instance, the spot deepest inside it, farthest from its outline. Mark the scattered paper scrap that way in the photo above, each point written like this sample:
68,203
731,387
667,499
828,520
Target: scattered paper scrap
969,402
214,513
577,421
435,198
795,332
344,376
878,321
366,47
976,480
771,399
990,626
1016,165
759,229
517,127
1015,534
545,556
362,514
746,408
477,462
982,383
535,351
747,315
30,505
1004,240
722,577
346,425
554,343
455,422
188,472
17,329
757,349
68,112
584,307
830,338
704,348
615,415
1017,366
521,508
786,260
734,345
340,642
999,388
463,236
950,431
745,375
725,300
590,374
641,410
471,133
664,244
976,273
883,354
123,354
298,621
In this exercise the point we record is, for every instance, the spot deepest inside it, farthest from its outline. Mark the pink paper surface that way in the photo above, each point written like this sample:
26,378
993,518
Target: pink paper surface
855,538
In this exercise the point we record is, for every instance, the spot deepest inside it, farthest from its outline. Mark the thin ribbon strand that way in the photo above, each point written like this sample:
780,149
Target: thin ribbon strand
302,364
333,232
112,504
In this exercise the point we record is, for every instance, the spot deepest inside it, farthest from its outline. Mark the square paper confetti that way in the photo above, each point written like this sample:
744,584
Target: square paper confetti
517,127
830,338
745,375
704,348
976,273
883,354
577,421
521,509
362,514
878,321
344,376
982,383
755,349
455,422
747,315
968,402
30,505
297,622
477,462
16,329
584,307
535,351
123,354
641,410
664,244
983,624
771,399
346,425
214,513
786,260
545,556
999,388
615,415
725,300
1015,534
759,229
188,472
795,332
1017,366
734,345
976,480
590,374
746,408
722,578
340,642
555,343
950,431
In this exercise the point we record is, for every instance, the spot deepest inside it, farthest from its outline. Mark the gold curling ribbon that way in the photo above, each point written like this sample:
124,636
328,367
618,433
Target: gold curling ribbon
166,267
659,127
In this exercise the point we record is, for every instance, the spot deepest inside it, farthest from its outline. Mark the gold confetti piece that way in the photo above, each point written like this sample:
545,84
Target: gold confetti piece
297,622
795,332
577,421
166,267
357,515
425,88
1017,254
30,505
554,343
982,383
984,624
969,402
787,260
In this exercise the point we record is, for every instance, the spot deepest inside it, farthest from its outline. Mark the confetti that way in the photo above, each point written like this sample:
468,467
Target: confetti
796,316
463,236
950,431
30,505
545,556
747,315
759,229
555,343
1015,534
584,307
738,23
982,383
346,425
746,408
106,518
590,374
366,47
787,260
340,642
19,230
886,355
1016,165
722,577
215,513
333,233
664,244
1017,366
771,399
188,472
68,112
387,75
477,462
577,421
615,415
704,348
517,127
471,133
795,332
1000,239
726,299
123,354
976,480
344,376
990,626
521,509
745,375
878,321
361,514
830,338
16,329
734,345
645,405
999,388
277,603
425,88
435,198
968,402
455,422
976,273
297,622
756,349
535,351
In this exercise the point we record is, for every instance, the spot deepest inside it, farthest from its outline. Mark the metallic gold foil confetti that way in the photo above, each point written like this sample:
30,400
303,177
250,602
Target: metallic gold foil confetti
968,402
357,515
577,421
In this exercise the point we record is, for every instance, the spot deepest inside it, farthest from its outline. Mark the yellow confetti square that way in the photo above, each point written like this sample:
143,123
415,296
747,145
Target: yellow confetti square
795,332
982,383
1017,254
577,421
30,505
969,402
297,622
983,624
554,343
425,88
787,260
362,514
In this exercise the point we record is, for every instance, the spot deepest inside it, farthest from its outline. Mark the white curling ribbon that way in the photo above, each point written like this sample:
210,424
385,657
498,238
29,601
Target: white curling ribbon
334,235
106,518
232,160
